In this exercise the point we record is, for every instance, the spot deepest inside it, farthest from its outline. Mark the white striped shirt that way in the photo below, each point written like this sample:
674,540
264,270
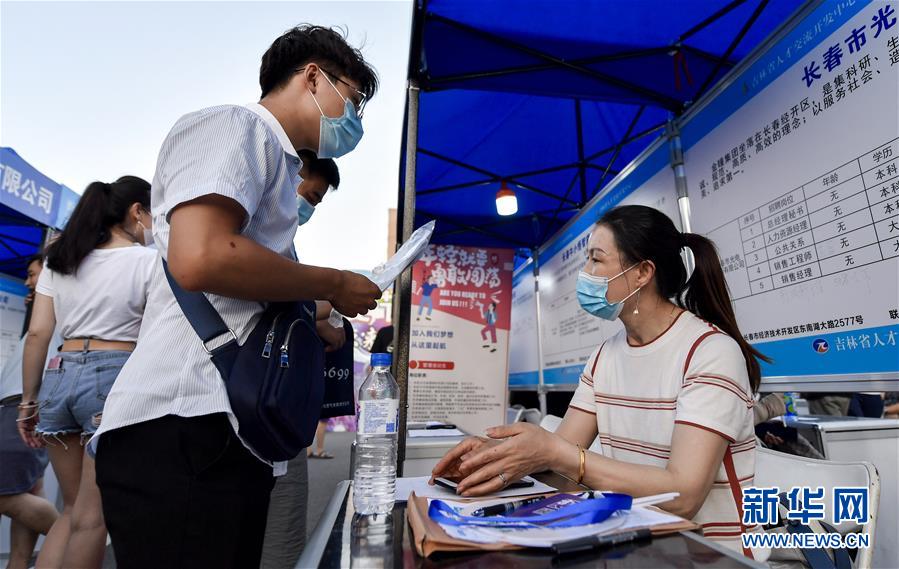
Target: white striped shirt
692,374
241,153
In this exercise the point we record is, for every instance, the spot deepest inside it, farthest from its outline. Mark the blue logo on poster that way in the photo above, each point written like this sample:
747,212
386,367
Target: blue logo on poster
820,345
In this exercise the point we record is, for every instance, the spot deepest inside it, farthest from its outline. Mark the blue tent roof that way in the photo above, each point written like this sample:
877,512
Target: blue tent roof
555,97
30,202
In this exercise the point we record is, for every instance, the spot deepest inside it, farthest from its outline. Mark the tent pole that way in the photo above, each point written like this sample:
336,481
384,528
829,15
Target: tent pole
676,154
579,123
541,385
402,300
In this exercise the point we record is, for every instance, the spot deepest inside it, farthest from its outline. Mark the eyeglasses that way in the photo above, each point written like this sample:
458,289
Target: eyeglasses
360,105
362,99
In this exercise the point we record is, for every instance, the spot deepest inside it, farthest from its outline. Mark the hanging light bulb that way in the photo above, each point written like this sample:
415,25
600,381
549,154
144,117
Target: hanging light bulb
506,201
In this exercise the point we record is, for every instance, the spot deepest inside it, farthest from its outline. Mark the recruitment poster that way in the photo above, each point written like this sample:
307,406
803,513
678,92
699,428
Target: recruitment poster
458,353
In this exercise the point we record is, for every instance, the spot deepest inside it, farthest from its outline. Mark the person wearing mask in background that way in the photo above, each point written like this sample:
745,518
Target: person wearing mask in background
180,488
93,290
670,396
285,528
309,194
22,496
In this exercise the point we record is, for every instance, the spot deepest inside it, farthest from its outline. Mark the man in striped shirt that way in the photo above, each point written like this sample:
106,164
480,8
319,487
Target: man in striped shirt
179,487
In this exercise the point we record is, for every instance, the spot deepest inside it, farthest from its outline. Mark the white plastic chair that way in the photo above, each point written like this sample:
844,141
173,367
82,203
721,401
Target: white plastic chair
787,471
513,414
551,423
532,416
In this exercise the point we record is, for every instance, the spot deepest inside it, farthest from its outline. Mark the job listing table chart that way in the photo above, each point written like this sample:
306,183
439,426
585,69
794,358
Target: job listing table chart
842,220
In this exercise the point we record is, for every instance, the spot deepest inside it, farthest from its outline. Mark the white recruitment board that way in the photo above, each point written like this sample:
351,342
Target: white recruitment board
570,334
792,171
523,341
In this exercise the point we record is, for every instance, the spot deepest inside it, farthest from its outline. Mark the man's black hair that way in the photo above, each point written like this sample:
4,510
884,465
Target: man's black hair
324,167
314,44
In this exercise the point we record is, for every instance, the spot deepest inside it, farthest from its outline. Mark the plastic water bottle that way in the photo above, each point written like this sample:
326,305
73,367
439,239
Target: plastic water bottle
377,418
790,404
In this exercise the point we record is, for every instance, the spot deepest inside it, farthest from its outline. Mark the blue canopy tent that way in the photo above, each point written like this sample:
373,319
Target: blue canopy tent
30,203
553,98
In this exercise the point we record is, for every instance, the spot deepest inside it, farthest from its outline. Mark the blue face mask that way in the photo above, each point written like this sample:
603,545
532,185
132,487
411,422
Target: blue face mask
591,294
338,136
304,210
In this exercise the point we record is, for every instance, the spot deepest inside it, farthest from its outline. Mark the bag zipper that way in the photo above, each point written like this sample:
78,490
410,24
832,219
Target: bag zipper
284,357
270,338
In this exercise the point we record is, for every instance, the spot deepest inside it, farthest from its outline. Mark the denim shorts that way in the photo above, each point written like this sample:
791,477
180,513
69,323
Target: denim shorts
72,396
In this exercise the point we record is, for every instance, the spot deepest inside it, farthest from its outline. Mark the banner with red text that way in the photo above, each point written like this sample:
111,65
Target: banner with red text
458,356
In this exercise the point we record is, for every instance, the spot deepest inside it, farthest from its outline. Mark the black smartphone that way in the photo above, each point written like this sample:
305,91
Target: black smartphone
446,483
451,485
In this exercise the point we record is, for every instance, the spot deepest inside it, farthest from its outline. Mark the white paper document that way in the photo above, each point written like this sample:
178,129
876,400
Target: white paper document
384,274
419,484
435,433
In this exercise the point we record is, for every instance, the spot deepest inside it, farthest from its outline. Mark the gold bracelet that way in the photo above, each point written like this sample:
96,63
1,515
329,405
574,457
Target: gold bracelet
582,455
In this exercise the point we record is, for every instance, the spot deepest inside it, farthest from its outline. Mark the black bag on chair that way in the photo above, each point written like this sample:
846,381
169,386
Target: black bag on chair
340,396
275,380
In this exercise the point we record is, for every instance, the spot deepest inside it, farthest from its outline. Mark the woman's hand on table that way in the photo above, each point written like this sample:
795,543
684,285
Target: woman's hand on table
448,467
513,450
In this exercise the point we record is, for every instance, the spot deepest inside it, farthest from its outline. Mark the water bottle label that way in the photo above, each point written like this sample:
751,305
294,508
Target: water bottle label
379,417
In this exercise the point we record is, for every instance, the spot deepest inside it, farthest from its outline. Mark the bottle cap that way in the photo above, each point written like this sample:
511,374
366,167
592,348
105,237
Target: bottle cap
381,360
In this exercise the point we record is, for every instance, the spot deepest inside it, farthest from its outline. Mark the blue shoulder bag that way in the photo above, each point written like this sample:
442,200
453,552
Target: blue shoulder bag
275,380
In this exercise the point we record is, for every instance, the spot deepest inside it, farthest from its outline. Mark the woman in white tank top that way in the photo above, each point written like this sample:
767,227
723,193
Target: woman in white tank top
93,290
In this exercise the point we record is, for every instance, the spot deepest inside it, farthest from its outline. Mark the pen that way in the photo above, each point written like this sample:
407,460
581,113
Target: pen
444,426
505,508
596,541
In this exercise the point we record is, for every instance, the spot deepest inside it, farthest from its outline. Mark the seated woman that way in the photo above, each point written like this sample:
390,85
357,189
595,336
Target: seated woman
670,395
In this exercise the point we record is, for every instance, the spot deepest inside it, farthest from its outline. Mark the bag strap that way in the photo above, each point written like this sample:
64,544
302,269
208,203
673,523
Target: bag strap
203,317
841,556
816,558
581,512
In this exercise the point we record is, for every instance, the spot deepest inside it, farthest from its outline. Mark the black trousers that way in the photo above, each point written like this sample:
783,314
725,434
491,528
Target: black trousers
183,493
866,405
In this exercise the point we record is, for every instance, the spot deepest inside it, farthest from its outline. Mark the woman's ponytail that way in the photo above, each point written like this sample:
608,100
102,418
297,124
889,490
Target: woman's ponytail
100,208
707,296
646,234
